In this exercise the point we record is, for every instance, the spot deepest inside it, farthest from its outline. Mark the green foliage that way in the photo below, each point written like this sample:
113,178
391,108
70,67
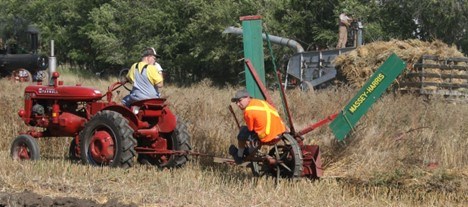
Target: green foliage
99,35
426,19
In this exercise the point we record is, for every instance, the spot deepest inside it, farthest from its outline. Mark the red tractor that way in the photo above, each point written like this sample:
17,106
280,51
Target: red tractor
105,133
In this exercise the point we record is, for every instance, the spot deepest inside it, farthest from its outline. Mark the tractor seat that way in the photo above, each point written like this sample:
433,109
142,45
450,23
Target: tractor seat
154,103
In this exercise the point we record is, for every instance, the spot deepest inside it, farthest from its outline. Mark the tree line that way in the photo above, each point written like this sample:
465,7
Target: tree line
108,35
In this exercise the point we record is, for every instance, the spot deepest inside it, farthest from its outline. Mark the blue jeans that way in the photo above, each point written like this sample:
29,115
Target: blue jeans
246,135
126,101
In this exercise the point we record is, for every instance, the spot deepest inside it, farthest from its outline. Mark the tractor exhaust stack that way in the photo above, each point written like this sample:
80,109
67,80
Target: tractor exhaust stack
52,62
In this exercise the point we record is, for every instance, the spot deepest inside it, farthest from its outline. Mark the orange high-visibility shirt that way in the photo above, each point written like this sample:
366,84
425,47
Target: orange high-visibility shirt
264,119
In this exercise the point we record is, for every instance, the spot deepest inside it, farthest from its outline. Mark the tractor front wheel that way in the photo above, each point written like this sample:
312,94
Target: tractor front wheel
107,140
25,147
74,151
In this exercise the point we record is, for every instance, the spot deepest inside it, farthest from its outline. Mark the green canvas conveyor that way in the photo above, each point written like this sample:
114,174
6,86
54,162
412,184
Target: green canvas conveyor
368,95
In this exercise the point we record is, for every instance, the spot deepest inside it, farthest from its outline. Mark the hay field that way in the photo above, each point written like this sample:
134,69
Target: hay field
405,152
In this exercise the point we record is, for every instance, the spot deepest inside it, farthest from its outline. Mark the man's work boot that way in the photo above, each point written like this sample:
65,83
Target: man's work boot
233,153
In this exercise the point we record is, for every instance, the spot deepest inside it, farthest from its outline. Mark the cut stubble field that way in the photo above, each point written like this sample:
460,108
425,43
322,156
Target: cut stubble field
406,151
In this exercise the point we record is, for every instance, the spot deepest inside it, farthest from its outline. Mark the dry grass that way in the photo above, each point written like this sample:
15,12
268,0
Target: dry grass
358,65
404,152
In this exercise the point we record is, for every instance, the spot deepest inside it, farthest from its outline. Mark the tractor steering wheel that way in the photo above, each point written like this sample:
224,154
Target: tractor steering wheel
123,79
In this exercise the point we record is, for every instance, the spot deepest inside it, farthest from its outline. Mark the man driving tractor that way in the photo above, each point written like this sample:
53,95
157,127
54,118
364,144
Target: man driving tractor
145,77
262,120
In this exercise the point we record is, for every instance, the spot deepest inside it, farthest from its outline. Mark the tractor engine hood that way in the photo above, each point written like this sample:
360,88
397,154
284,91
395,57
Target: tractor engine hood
75,93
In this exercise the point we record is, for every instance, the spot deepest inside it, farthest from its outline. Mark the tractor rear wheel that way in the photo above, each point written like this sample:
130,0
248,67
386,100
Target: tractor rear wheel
177,140
25,147
107,140
288,158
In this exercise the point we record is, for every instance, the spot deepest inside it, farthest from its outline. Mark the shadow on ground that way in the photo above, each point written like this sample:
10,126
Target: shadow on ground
27,198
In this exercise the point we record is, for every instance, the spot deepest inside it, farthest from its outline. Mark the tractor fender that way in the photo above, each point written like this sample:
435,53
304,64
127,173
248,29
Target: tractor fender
127,113
167,121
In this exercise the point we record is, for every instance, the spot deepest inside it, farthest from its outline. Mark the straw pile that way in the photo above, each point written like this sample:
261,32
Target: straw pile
358,65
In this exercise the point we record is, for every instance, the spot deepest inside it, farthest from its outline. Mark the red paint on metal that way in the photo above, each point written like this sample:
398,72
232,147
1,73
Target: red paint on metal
69,124
311,161
21,113
167,121
259,82
55,113
151,133
286,106
317,124
160,145
102,147
71,93
23,152
251,17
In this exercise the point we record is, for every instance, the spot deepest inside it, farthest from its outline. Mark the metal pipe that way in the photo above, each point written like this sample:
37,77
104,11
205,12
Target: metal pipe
52,62
359,34
317,124
275,39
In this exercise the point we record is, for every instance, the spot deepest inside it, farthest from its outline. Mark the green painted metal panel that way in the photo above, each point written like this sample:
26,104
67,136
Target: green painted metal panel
368,95
253,50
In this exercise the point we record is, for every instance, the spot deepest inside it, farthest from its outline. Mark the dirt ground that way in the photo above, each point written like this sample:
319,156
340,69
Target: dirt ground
32,199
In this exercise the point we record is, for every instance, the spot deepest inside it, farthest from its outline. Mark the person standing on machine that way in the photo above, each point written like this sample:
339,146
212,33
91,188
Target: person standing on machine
345,22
